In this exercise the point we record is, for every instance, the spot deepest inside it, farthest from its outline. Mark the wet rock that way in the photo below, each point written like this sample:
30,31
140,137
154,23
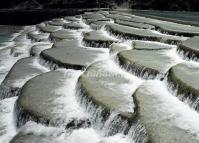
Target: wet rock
72,18
165,118
38,48
148,64
98,39
102,85
41,25
37,133
31,138
72,57
113,16
44,99
7,61
20,73
57,22
64,34
148,45
89,21
190,48
93,16
134,24
169,27
20,49
7,126
38,37
103,12
141,34
78,124
22,38
67,43
96,25
184,78
178,29
74,25
50,28
118,47
28,29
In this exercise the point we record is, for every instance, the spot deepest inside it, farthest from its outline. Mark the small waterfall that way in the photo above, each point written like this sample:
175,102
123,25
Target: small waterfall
187,54
7,123
7,91
48,64
188,98
98,123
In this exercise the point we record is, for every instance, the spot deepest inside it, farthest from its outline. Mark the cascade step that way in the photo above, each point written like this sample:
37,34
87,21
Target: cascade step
98,39
93,16
30,134
96,25
149,45
7,126
38,48
38,37
74,25
190,48
72,18
165,118
142,34
19,74
67,43
167,27
89,21
7,61
118,47
50,28
113,16
50,99
148,64
72,57
57,22
134,24
184,78
103,85
20,50
37,133
64,34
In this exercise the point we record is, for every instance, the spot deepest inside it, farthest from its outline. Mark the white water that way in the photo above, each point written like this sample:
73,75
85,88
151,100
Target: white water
60,135
71,109
7,120
174,58
182,116
167,109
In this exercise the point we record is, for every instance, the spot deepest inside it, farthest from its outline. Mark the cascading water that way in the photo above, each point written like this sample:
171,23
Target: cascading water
80,118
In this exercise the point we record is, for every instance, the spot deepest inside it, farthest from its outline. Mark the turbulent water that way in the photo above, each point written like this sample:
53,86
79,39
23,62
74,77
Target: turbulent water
16,45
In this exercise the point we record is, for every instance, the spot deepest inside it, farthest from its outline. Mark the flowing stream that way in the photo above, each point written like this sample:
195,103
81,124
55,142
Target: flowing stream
98,130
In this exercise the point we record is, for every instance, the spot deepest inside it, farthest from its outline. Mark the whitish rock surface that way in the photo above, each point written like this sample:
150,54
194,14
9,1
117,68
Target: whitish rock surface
166,119
64,34
148,63
190,48
37,49
109,87
50,99
135,24
50,28
184,77
98,39
149,45
20,73
73,57
142,34
38,37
